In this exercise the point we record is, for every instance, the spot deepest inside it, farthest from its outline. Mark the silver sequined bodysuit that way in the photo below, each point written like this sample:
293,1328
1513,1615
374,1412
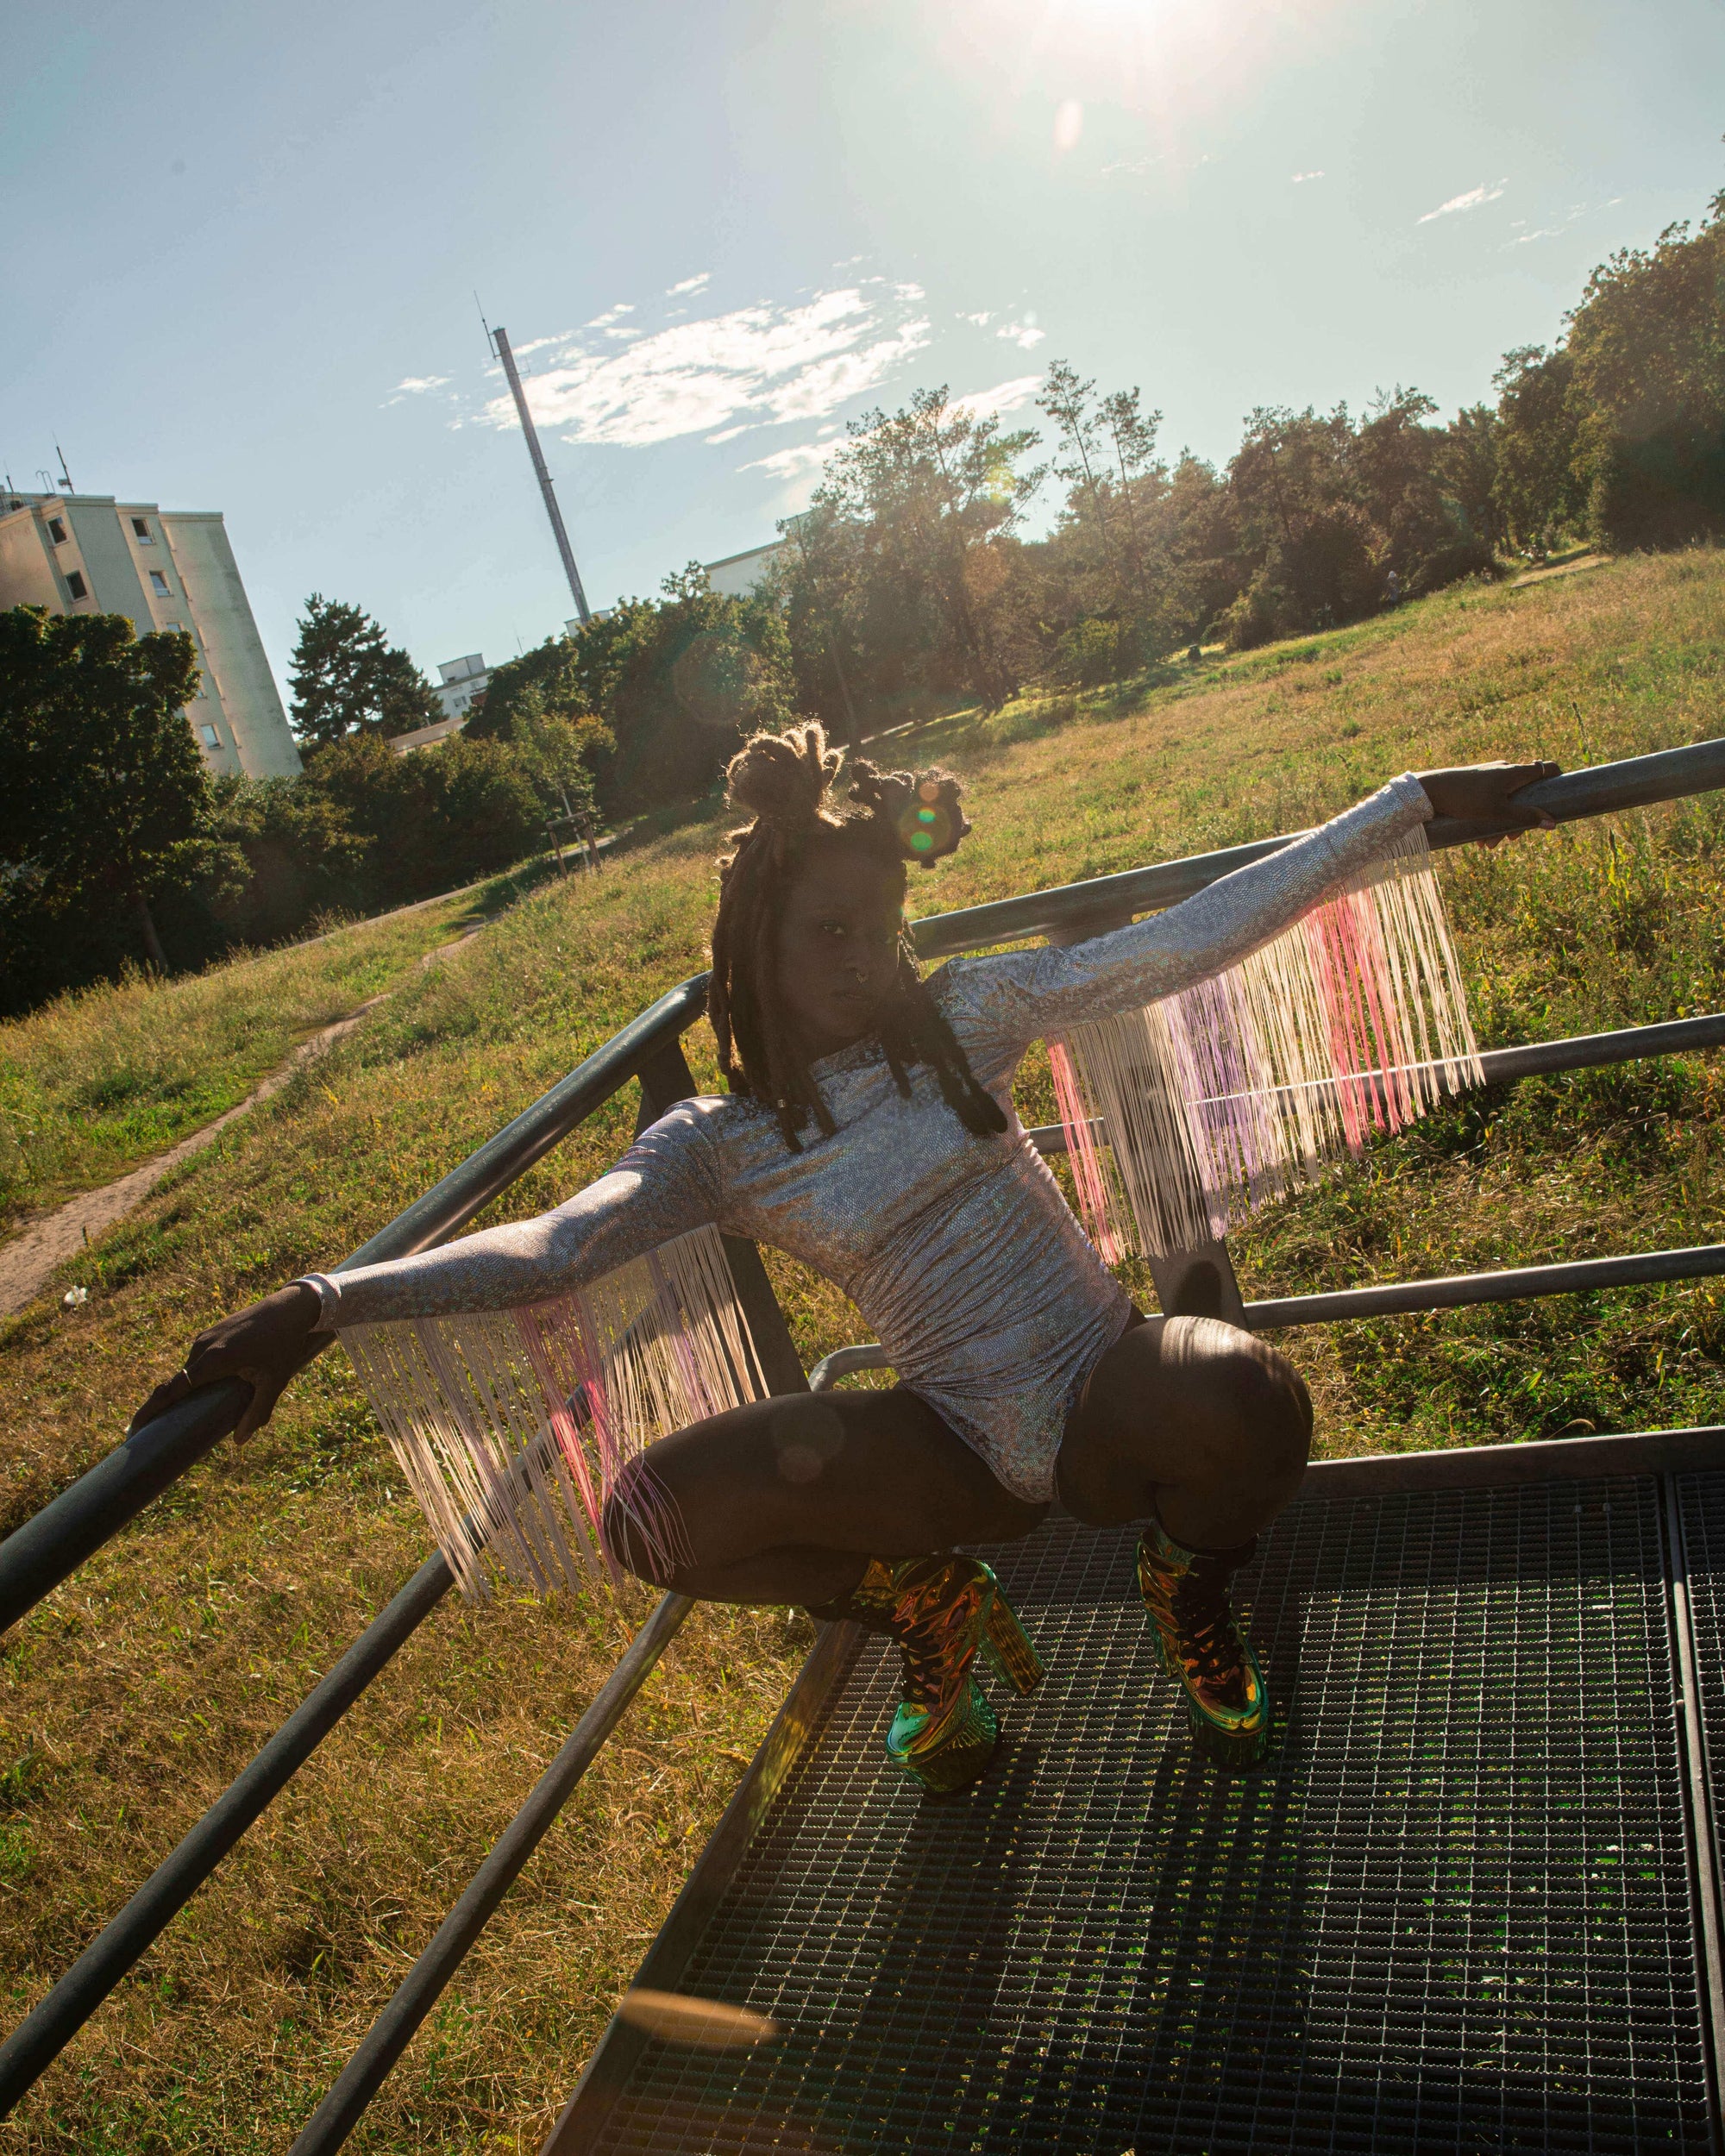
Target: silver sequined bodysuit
959,1251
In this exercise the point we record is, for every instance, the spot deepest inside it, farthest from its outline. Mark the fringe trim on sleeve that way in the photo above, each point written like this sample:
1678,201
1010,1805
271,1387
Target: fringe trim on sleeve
1246,1086
515,1427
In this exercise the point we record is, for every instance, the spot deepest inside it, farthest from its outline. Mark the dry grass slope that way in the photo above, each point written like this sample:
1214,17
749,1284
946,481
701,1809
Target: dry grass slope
131,1697
102,1078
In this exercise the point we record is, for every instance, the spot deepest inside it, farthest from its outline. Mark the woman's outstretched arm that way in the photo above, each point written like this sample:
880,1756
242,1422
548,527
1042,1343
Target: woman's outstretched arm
666,1184
1026,995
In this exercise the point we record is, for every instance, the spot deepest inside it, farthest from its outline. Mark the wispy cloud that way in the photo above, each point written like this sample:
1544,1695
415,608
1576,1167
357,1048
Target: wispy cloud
1300,178
1004,397
688,284
1489,190
980,320
792,464
1523,237
1025,334
416,385
753,367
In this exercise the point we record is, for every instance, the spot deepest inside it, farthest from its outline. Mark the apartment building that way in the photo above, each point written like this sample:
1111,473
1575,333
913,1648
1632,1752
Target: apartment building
92,554
459,681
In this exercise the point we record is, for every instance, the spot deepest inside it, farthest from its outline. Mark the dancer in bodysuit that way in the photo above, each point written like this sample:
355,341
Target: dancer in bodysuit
870,1131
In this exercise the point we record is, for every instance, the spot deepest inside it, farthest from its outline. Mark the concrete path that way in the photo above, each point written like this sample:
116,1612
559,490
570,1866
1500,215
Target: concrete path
28,1260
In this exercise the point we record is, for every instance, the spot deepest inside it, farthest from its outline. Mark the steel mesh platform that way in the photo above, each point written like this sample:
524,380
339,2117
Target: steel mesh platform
1455,1913
1701,1511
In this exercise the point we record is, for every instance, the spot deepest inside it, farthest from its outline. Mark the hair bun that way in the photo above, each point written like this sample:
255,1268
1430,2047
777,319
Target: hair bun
783,778
920,807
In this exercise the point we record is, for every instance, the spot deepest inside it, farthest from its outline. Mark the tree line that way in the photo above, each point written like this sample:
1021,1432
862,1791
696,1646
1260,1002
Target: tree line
908,586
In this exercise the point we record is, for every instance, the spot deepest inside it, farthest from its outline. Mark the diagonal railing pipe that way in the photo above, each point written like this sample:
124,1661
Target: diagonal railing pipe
52,2024
1669,775
56,1540
118,1488
1535,1059
423,1984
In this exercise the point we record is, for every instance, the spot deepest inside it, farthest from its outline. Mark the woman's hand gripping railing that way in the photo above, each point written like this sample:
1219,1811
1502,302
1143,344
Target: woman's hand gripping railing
54,1542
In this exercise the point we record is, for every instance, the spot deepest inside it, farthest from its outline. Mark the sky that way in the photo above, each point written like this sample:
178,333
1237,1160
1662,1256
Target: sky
245,249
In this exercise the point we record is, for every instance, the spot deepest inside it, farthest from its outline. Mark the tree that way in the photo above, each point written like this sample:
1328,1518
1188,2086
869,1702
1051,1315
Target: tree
1646,345
1067,402
432,819
104,804
347,680
679,681
1140,479
1537,489
936,494
556,747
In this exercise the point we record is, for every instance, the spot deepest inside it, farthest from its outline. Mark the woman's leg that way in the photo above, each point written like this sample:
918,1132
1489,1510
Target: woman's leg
1192,1422
786,1500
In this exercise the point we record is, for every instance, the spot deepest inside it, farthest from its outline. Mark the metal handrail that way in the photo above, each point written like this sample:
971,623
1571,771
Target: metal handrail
1535,1059
1397,1298
1669,775
58,1537
55,1541
422,1987
56,2019
1460,1291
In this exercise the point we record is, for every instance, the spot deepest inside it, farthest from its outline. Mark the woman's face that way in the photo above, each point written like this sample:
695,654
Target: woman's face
837,946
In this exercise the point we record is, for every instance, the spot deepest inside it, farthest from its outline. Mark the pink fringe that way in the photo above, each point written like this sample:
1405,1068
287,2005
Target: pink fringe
1083,1157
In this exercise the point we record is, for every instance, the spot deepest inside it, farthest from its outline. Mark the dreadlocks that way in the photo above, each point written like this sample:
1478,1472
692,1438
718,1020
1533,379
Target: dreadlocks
786,782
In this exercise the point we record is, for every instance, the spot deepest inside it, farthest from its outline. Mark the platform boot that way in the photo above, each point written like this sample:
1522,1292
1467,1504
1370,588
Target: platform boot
941,1611
1186,1593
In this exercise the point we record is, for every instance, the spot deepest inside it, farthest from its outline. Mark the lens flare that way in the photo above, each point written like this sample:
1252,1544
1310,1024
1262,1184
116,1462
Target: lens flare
675,2017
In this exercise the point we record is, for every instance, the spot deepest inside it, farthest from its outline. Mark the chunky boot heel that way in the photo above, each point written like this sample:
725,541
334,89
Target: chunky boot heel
1007,1646
1203,1648
942,1611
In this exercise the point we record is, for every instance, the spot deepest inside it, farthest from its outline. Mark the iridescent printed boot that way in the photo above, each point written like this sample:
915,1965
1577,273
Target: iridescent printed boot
941,1610
1186,1592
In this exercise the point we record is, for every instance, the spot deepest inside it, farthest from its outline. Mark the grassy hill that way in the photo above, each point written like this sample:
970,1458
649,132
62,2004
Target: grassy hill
132,1696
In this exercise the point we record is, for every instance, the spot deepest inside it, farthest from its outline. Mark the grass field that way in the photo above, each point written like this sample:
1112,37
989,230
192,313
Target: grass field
103,1078
131,1698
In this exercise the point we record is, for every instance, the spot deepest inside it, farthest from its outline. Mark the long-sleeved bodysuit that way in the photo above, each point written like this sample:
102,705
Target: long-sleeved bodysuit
960,1250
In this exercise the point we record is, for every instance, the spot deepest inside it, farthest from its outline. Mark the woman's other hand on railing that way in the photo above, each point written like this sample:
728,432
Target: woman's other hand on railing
1485,793
263,1346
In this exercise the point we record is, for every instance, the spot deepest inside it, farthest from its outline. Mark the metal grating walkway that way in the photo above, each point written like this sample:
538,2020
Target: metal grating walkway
1433,1924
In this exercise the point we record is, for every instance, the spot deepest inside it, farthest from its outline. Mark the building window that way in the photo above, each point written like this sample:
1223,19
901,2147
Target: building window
211,738
158,584
56,531
141,526
76,585
174,624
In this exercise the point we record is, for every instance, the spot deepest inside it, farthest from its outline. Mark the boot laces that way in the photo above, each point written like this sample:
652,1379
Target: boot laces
1208,1631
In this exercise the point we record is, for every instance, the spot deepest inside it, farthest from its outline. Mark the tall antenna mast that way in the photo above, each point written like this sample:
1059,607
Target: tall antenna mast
499,339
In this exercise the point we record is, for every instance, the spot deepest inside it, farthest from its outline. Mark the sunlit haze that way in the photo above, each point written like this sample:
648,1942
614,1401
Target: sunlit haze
243,246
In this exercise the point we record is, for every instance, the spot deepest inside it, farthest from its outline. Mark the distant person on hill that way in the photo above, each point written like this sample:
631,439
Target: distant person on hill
870,1131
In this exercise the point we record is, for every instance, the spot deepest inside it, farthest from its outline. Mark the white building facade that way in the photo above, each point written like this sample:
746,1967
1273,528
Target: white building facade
738,574
91,554
460,683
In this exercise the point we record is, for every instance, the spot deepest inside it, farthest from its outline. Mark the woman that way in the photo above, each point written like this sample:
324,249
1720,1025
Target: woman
870,1131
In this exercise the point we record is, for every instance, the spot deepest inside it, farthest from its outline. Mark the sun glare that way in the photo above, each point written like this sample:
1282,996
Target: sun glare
1164,62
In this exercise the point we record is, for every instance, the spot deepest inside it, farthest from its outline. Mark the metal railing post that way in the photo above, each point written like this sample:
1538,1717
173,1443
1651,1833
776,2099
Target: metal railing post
423,1986
45,2031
